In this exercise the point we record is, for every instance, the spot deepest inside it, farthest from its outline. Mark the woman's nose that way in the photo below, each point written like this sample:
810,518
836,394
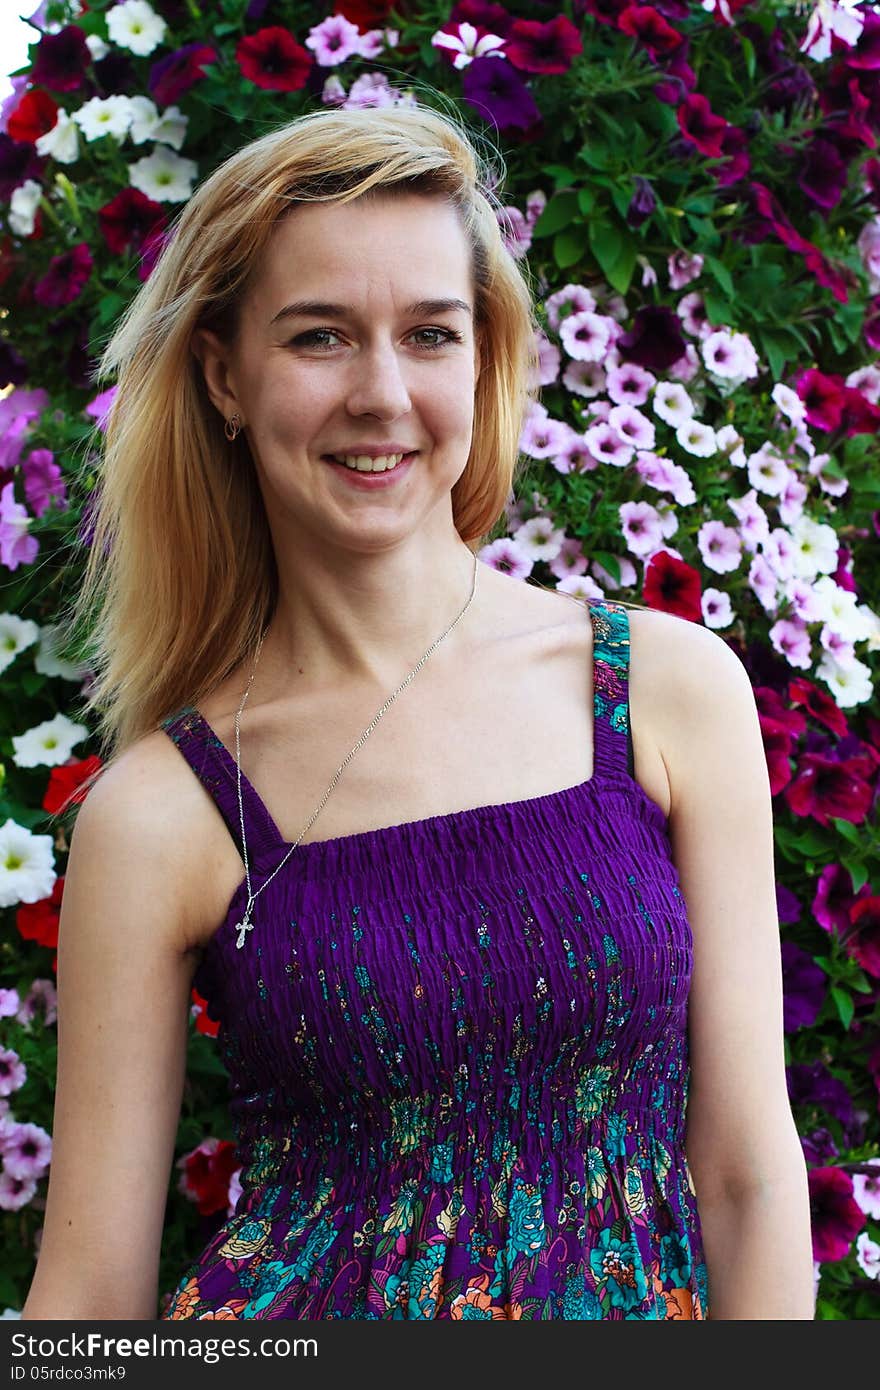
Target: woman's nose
378,386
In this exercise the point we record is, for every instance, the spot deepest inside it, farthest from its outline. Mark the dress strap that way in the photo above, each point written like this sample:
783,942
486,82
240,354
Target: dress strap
612,736
214,766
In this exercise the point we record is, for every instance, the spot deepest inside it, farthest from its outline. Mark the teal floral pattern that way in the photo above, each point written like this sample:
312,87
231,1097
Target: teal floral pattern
457,1052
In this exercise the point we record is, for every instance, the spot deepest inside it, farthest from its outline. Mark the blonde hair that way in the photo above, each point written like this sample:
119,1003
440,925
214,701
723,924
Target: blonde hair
180,579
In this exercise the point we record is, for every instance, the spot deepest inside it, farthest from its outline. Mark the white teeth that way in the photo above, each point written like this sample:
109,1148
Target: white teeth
364,464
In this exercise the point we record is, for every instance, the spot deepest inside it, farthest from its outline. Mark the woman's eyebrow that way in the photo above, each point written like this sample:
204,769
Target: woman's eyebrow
316,309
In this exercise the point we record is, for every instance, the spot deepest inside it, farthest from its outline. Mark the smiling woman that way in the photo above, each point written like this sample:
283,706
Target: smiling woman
458,1025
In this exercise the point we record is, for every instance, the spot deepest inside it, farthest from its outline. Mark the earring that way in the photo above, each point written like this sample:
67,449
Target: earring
232,428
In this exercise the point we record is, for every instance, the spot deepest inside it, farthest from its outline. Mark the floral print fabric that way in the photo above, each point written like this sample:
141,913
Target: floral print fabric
458,1059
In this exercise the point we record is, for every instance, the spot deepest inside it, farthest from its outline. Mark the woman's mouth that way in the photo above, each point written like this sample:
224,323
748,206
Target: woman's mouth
371,472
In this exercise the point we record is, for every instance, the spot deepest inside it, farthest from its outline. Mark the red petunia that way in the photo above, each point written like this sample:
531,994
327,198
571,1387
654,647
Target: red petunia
129,220
673,586
62,59
204,1023
535,47
818,705
35,115
206,1174
273,59
66,278
67,783
39,921
864,943
824,397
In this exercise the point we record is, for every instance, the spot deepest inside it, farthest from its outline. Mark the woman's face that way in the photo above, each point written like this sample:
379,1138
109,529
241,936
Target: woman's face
356,336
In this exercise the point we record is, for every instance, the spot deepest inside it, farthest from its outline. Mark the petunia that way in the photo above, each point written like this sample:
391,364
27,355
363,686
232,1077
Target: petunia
642,203
804,987
632,426
836,1217
18,163
697,439
15,548
135,25
499,96
15,1193
66,278
35,115
164,176
534,46
205,1175
13,1072
654,341
642,528
824,173
586,336
61,143
129,219
273,59
47,744
62,59
333,40
647,25
571,299
539,538
607,446
23,206
630,384
26,862
173,75
506,556
104,116
43,483
823,396
462,43
700,126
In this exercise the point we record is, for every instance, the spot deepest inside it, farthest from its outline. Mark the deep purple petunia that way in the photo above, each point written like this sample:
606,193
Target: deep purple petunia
835,1216
818,1145
736,163
115,75
655,340
498,94
535,47
606,11
66,277
871,330
824,173
803,986
62,60
810,1084
13,368
170,77
18,162
642,203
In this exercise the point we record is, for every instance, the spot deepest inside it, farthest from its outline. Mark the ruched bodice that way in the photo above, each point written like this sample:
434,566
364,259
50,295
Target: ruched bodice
457,1051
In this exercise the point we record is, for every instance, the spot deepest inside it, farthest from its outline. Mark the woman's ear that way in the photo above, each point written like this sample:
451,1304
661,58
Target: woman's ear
214,356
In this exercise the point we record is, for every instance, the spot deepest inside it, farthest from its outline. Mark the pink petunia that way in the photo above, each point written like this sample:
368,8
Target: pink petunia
13,1072
508,557
16,546
585,336
15,1193
27,1152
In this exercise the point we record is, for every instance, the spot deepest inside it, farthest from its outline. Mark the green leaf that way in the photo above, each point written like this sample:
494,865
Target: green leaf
718,270
845,1006
569,246
748,53
605,245
621,273
718,309
846,829
826,1312
561,175
856,869
586,199
595,154
558,213
608,561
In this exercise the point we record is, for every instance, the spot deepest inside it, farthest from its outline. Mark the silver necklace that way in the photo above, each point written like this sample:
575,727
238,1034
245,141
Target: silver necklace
246,925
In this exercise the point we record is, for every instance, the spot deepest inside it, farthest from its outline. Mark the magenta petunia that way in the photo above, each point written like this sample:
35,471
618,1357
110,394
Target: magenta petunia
823,175
824,397
173,75
483,14
835,1215
66,278
699,124
647,25
273,59
535,47
61,60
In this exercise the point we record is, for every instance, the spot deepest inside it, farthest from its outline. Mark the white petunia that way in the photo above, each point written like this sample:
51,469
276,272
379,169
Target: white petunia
163,176
27,868
61,143
136,26
672,403
167,128
97,47
144,119
104,116
814,547
46,660
15,634
23,207
539,538
171,127
697,439
48,744
849,685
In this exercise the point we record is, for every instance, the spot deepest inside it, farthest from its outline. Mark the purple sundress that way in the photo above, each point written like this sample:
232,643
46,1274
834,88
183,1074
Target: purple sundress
458,1056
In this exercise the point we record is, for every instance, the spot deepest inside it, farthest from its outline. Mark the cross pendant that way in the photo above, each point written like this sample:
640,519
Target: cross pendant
244,926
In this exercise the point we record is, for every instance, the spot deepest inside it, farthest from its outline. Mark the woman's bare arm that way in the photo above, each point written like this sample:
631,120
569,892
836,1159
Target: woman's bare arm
124,976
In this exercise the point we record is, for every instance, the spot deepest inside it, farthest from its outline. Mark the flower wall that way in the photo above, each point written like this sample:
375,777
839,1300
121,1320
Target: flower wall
696,189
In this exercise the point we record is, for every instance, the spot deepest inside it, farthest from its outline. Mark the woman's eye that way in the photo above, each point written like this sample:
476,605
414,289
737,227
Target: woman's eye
316,337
